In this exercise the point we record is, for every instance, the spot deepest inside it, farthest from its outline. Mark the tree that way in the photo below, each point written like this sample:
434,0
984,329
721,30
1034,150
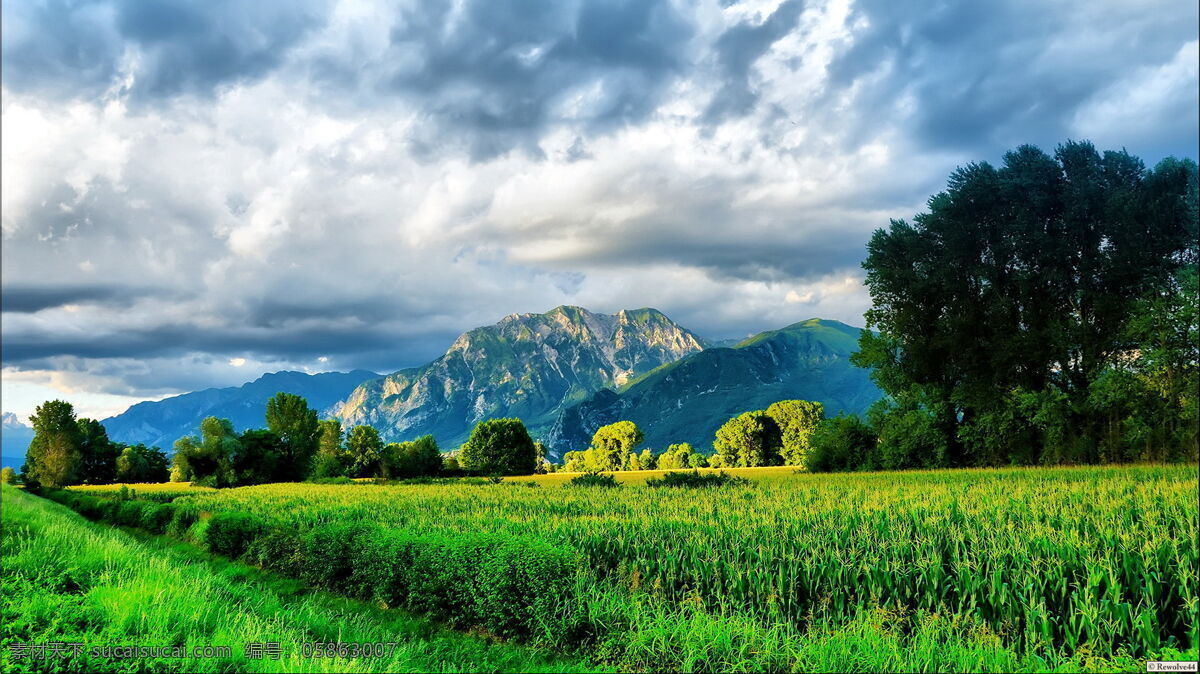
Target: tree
841,443
796,420
54,457
139,464
749,439
1019,283
612,444
416,458
208,460
261,457
499,447
675,456
331,459
7,475
290,418
98,455
365,450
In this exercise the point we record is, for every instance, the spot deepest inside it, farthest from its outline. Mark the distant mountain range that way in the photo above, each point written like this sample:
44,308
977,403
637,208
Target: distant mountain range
565,373
529,366
14,440
687,400
161,423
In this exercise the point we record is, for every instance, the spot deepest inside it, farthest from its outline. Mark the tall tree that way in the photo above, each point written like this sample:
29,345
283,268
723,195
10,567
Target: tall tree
612,445
98,454
331,459
749,439
54,456
1021,278
796,420
290,418
208,460
499,447
365,450
138,464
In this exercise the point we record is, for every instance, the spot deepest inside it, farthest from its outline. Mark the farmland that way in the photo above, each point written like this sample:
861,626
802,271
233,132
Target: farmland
1014,569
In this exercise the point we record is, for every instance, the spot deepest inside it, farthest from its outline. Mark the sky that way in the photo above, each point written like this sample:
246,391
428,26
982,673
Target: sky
195,193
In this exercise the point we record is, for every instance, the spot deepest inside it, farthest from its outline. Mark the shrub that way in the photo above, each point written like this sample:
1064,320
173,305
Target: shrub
182,519
524,588
696,479
279,549
381,567
230,533
325,552
841,443
332,480
129,513
156,517
593,480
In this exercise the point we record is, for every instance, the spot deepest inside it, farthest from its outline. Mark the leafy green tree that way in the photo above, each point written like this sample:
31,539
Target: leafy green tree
7,475
575,462
365,450
98,454
290,418
675,456
612,444
416,458
55,455
908,437
499,447
138,464
697,460
208,460
796,420
643,461
840,444
749,439
332,459
1019,284
261,457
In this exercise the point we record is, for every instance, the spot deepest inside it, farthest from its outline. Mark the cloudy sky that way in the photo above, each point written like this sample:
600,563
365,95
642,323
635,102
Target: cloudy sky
195,193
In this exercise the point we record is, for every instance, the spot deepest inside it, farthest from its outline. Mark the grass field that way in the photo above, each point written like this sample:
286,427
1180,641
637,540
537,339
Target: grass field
68,580
1004,570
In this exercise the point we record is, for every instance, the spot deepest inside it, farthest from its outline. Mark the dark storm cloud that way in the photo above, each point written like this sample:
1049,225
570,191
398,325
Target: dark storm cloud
76,49
737,50
986,76
499,68
35,298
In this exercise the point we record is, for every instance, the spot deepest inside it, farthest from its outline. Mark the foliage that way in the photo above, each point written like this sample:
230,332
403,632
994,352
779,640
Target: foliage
331,459
261,457
499,447
365,451
612,445
841,443
749,439
7,475
796,420
139,463
209,460
416,458
55,453
98,455
1008,303
676,456
290,418
593,480
696,479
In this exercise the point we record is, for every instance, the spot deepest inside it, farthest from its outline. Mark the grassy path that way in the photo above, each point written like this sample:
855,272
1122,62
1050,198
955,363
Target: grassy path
68,580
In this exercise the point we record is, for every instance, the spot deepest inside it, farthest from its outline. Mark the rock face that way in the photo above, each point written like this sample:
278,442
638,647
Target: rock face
529,366
162,422
688,400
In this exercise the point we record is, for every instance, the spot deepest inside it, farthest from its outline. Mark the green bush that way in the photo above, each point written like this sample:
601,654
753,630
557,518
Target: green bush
523,588
156,517
841,443
182,519
593,480
278,549
129,513
381,566
230,533
696,479
325,555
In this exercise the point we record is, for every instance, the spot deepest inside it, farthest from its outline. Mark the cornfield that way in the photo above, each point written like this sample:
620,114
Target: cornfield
1100,560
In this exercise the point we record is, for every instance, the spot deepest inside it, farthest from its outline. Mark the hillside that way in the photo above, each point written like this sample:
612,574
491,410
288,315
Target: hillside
14,440
527,365
161,423
688,400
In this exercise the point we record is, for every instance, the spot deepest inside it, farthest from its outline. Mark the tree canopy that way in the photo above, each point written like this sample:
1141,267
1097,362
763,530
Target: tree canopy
499,447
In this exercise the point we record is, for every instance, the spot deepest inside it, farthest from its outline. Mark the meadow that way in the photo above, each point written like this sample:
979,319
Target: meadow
1032,569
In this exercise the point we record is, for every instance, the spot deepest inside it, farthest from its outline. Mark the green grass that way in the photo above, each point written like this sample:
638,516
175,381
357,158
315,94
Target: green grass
68,580
1001,570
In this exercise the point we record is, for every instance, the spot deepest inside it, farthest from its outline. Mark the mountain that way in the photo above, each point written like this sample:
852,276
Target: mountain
14,440
686,401
162,422
528,365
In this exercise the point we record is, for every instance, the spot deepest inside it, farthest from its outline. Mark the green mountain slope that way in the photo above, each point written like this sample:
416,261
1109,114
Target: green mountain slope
686,401
528,365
